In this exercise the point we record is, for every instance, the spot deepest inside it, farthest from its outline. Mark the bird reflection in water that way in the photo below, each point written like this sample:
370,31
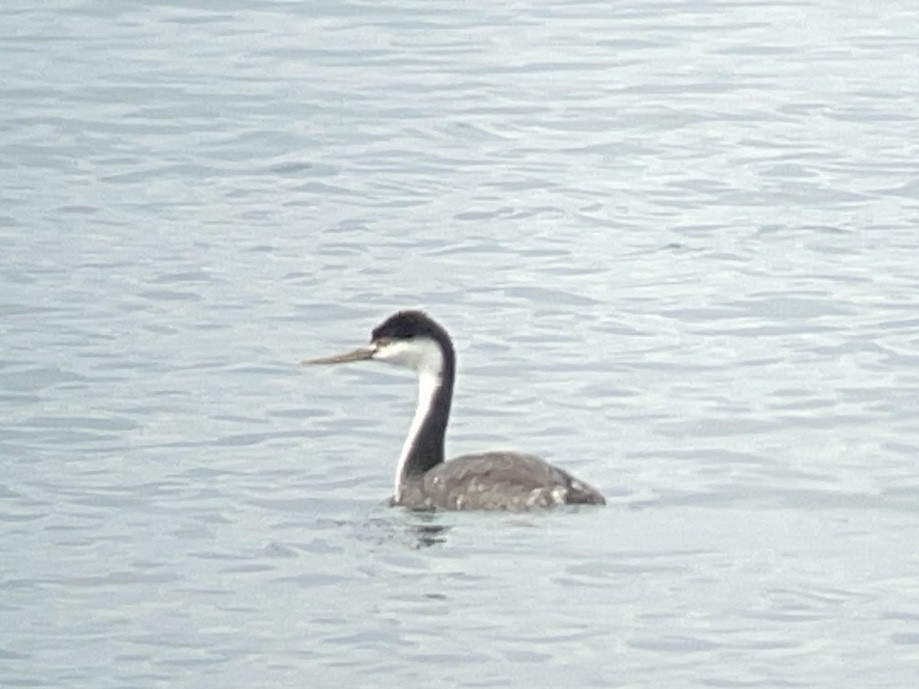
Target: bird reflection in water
428,534
422,530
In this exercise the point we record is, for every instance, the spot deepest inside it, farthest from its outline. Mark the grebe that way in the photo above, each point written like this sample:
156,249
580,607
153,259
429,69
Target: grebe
424,481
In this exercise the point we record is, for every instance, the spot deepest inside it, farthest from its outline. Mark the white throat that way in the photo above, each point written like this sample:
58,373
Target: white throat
423,356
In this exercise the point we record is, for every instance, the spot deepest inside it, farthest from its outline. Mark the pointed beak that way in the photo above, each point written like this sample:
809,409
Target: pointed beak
359,354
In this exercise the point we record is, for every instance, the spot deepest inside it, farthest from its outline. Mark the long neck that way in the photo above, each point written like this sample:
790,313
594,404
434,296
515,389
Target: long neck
424,445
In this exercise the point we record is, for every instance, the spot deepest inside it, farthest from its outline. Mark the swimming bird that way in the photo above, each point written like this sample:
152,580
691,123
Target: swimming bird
424,481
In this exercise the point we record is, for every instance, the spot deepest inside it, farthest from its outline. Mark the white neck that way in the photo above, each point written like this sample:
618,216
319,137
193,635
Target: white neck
424,357
428,384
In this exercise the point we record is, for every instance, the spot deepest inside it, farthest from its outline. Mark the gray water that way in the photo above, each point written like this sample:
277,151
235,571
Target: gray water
676,243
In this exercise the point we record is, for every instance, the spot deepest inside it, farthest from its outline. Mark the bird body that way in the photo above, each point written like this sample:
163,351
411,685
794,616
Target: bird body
495,481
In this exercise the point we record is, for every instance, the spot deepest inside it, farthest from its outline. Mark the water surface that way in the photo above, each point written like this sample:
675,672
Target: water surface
675,243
